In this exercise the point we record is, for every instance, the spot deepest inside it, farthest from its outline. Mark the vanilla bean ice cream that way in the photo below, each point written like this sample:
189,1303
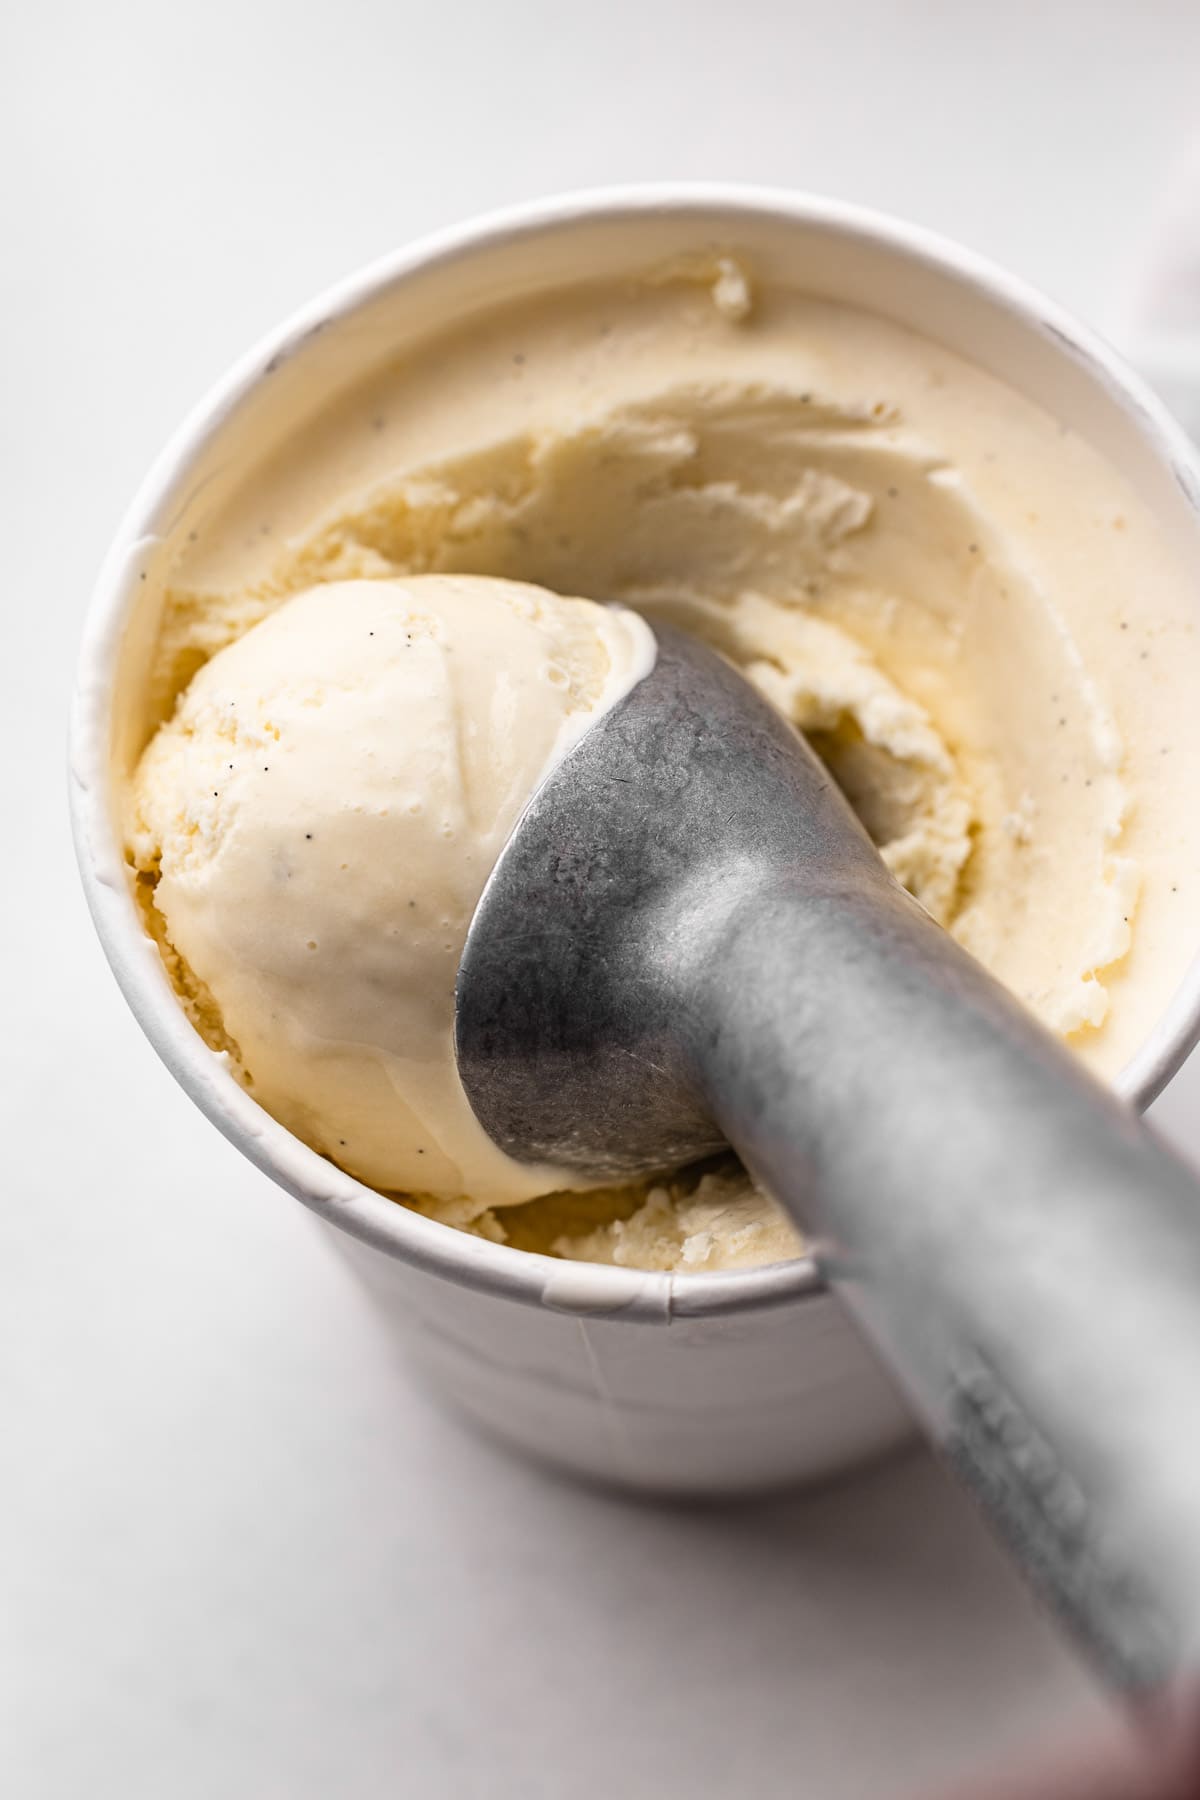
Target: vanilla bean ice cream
356,688
315,887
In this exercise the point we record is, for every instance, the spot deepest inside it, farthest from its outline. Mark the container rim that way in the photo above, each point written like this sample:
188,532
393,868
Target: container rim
575,1288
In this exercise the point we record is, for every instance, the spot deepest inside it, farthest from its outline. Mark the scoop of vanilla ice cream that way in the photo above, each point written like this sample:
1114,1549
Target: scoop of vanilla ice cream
313,828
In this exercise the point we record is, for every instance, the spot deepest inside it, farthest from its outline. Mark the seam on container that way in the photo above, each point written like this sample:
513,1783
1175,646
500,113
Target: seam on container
620,1442
557,1383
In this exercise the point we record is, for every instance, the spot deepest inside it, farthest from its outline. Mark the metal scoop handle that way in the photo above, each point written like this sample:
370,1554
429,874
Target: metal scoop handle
689,939
1022,1249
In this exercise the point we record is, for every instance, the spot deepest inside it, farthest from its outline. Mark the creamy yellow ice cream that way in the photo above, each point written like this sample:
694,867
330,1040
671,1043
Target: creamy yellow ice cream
966,608
319,818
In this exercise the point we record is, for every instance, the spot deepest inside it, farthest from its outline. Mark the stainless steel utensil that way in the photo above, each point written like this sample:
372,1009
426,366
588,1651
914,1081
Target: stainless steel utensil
689,940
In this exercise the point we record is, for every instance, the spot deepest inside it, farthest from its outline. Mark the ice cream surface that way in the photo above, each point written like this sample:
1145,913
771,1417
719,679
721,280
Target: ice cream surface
965,607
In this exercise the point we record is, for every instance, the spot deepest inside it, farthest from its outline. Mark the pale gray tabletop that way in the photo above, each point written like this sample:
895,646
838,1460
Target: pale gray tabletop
240,1555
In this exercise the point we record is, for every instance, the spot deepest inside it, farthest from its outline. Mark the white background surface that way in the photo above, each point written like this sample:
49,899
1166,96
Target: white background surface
239,1554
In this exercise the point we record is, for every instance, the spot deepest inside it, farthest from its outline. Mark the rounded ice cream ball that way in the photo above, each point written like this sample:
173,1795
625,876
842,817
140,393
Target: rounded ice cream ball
312,830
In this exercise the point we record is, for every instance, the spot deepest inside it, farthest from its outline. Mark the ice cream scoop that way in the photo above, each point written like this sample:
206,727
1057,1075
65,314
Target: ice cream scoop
688,941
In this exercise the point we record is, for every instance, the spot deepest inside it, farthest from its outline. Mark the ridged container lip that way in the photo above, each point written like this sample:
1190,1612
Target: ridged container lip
580,1289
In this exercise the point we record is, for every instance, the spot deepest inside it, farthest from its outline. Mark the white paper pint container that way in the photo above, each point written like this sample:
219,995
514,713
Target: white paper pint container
690,1384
